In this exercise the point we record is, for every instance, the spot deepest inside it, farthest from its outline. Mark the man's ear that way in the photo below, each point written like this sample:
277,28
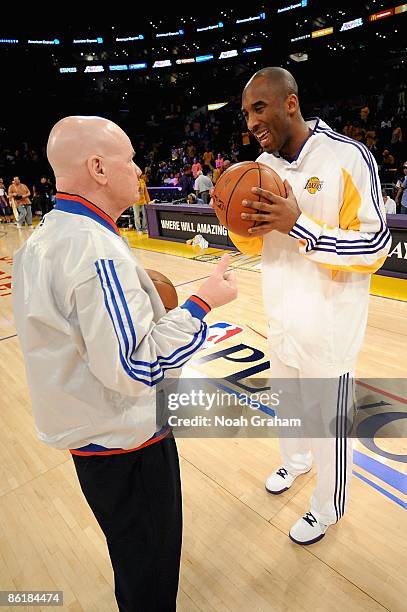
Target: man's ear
292,103
96,169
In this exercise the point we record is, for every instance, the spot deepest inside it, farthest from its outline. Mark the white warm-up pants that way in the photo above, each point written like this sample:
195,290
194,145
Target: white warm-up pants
326,405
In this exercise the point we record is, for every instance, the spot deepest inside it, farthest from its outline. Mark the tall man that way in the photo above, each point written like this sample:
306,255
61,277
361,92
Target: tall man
319,245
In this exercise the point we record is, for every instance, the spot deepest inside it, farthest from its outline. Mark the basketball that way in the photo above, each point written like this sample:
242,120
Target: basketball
235,185
165,288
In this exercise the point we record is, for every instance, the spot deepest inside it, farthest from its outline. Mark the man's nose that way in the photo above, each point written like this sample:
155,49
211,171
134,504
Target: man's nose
252,124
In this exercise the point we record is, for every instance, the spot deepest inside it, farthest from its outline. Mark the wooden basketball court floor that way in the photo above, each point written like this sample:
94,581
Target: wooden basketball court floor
236,552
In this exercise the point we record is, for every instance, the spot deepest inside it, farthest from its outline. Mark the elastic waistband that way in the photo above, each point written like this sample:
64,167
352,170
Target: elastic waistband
96,449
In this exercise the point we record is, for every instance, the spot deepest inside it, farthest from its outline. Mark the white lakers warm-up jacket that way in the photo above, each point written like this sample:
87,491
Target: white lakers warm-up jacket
316,279
94,333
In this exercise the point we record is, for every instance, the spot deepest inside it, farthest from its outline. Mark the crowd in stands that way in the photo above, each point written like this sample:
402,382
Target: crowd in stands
195,154
212,141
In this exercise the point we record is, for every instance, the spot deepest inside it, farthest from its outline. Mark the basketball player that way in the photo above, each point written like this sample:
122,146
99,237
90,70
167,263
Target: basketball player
319,246
96,341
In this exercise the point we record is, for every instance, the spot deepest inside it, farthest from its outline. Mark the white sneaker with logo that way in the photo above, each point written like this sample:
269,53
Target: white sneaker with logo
307,530
281,480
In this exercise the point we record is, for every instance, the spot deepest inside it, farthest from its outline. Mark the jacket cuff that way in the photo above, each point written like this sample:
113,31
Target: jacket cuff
196,306
307,231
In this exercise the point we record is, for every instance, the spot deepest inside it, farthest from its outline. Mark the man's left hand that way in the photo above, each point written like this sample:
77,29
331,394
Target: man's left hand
277,213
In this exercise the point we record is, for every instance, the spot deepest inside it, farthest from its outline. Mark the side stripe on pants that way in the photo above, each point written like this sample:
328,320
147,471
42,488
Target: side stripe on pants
341,445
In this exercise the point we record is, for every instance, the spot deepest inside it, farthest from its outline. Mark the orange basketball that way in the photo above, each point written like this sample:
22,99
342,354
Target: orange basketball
235,185
165,288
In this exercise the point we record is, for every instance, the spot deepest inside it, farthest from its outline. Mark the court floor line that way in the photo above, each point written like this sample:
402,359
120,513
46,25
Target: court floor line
385,473
402,400
65,459
393,498
256,331
179,256
192,281
161,253
8,337
398,333
214,252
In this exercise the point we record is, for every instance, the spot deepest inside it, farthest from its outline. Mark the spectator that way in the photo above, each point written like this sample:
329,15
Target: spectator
208,158
5,208
245,139
385,130
234,152
396,142
389,204
190,149
42,195
380,102
170,180
174,154
401,196
348,129
186,181
370,138
388,159
364,113
358,133
399,181
192,199
196,168
218,171
19,193
202,187
401,97
140,216
388,166
219,161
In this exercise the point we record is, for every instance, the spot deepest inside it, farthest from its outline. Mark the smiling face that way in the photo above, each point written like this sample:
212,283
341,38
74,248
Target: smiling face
268,112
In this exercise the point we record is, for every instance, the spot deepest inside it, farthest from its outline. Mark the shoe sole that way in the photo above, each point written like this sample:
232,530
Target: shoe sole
276,492
309,541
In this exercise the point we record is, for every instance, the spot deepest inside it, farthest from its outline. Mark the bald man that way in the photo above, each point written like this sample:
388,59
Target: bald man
319,246
96,340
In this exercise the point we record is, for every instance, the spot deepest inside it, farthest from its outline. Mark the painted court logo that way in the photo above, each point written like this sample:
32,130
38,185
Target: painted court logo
218,332
314,184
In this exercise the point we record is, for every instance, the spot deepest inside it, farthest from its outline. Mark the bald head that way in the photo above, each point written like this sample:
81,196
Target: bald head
73,140
279,80
93,157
